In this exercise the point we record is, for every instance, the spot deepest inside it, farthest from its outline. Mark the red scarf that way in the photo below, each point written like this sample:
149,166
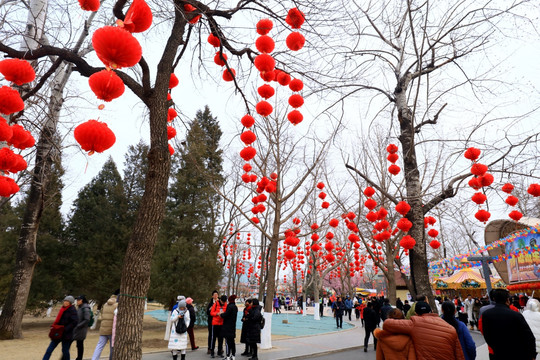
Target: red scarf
59,316
247,309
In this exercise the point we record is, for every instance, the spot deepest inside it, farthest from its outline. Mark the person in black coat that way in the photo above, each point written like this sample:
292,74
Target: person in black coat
385,309
211,303
506,331
68,318
192,320
228,330
247,307
253,327
371,319
339,308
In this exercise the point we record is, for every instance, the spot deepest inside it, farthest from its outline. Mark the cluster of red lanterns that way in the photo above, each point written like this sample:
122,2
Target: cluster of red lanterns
220,58
19,72
322,195
295,40
481,179
512,201
432,233
393,157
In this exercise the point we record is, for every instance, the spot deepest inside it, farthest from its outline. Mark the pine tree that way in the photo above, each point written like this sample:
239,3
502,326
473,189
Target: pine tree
135,168
10,223
185,259
98,234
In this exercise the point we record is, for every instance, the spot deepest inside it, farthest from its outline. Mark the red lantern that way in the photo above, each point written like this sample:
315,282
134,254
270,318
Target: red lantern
507,188
404,224
263,108
295,18
296,85
320,185
392,148
295,117
10,101
213,40
89,5
106,85
138,17
353,238
371,216
370,204
433,233
247,121
407,242
296,100
334,222
8,186
329,246
289,254
322,195
171,132
369,191
478,169
255,220
515,215
394,169
472,153
392,157
171,114
264,26
330,258
94,136
295,41
434,244
350,215
264,63
266,91
325,205
116,47
18,165
228,75
220,58
475,183
283,78
17,71
486,180
512,200
195,19
173,81
482,215
189,8
268,76
7,159
403,208
19,137
5,130
265,44
534,190
248,153
479,198
248,137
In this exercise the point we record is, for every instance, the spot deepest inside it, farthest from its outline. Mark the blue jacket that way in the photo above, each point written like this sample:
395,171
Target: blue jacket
467,343
348,304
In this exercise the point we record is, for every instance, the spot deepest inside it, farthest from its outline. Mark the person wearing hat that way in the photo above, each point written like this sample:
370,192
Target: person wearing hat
178,342
228,329
433,338
79,333
67,317
105,328
192,319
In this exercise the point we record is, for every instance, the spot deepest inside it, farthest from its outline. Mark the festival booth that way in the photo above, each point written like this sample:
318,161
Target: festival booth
463,282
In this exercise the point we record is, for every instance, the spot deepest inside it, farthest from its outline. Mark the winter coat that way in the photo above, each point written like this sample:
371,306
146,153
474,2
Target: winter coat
69,320
385,310
208,308
469,305
192,315
83,314
228,330
339,308
394,346
178,341
467,343
253,324
215,311
107,316
371,319
516,342
348,304
532,316
244,325
433,338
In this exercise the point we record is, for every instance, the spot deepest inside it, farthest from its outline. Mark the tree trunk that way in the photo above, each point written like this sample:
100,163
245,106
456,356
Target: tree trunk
391,281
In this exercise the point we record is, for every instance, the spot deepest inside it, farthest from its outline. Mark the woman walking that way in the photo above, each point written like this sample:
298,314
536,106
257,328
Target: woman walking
247,307
467,343
79,333
253,330
178,341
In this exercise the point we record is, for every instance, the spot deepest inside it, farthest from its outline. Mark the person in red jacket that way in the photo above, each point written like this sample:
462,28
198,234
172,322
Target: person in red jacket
217,322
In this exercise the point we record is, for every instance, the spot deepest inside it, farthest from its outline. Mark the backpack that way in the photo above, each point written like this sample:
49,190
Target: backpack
91,322
180,326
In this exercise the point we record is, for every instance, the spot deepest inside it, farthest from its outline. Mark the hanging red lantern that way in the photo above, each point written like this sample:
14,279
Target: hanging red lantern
507,188
247,121
350,215
195,19
322,195
295,18
248,137
138,17
173,81
19,136
392,148
248,153
116,47
486,179
394,169
171,132
189,8
314,226
392,157
429,220
512,200
171,114
10,101
534,190
403,208
94,136
295,41
213,40
369,191
245,178
106,85
320,185
296,100
17,71
264,62
472,154
407,242
289,254
370,204
475,183
283,78
325,205
333,222
329,246
268,76
265,44
264,26
381,214
5,130
295,117
255,220
482,215
7,158
515,215
18,165
353,238
263,108
479,198
433,233
478,169
273,176
266,91
8,186
371,216
330,258
220,58
229,74
404,224
296,85
434,244
89,5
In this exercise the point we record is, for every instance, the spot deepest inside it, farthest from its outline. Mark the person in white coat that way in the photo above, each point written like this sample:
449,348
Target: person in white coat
179,342
532,316
468,303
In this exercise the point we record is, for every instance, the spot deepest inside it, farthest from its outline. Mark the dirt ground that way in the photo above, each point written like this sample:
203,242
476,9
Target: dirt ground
35,339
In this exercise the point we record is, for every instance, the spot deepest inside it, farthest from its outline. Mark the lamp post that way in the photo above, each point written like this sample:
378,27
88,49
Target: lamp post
485,268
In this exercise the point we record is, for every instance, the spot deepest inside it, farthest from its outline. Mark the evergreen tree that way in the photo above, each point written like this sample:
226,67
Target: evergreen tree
10,222
98,234
186,254
135,168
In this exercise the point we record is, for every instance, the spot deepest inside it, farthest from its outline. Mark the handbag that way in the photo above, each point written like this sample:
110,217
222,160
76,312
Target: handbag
56,332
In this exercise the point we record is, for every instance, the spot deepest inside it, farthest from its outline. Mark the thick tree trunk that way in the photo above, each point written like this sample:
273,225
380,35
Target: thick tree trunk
391,281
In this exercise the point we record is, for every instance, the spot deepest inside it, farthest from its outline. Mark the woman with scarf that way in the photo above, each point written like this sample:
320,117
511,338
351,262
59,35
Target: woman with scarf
178,342
66,320
247,307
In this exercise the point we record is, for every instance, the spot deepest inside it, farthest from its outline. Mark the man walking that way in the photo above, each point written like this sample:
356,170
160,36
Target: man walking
348,306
